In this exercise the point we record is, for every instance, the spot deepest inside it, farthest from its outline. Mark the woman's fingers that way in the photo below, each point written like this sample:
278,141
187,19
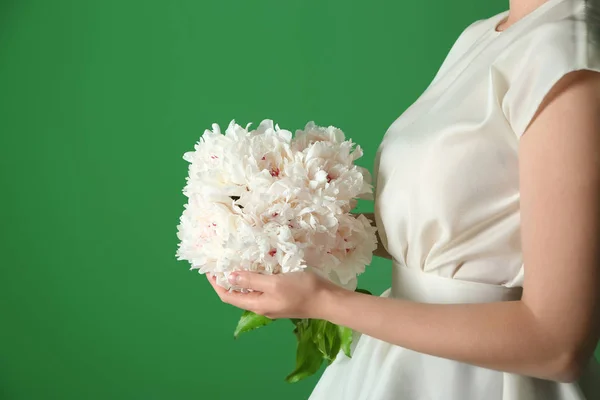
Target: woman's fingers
213,281
253,280
246,301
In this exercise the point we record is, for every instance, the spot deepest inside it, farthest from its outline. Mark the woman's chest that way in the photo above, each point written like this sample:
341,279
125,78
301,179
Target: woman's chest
453,143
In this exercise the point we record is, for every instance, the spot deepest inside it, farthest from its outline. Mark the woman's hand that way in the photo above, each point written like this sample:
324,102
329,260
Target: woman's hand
291,295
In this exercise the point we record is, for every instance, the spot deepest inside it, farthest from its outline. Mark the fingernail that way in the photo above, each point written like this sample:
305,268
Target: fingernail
234,278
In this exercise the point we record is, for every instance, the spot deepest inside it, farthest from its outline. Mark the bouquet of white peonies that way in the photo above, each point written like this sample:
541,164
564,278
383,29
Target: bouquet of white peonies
267,201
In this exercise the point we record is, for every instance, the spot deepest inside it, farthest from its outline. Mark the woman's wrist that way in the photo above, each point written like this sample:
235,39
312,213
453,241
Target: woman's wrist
331,297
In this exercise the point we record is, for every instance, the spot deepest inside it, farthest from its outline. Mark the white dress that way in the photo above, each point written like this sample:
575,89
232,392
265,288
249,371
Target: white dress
447,202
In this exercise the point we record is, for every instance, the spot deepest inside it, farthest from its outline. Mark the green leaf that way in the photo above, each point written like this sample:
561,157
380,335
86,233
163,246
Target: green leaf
318,340
332,340
336,344
326,336
300,325
250,321
365,291
308,356
315,329
346,339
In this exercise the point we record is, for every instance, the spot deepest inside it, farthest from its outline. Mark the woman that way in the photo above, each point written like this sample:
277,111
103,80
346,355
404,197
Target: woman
488,203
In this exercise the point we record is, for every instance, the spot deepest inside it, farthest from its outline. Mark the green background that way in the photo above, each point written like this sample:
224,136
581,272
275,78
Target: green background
98,102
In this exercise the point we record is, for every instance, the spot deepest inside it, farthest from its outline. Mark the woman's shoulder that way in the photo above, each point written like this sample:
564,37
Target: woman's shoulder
567,29
561,36
557,39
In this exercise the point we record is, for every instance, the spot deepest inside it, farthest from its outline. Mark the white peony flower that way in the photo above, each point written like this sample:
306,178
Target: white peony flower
262,200
313,133
218,164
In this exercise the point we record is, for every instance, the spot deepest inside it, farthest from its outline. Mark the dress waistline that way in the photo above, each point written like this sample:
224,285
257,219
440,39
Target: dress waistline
416,285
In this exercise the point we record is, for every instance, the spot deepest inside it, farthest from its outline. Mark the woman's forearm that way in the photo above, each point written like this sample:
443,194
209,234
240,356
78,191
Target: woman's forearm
380,251
501,336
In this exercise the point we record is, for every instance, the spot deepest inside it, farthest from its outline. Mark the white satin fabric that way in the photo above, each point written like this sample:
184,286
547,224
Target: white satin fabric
447,202
382,371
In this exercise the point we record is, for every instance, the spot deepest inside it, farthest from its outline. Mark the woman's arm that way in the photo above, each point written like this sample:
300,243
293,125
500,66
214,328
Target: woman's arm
380,251
554,329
